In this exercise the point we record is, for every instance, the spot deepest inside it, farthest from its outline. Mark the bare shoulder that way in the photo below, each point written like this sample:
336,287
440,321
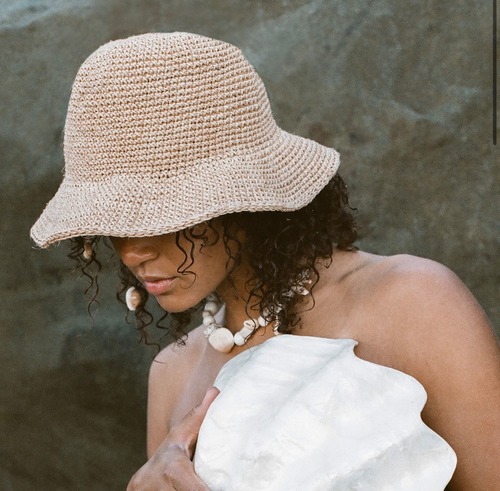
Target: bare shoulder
174,363
169,373
405,297
425,296
435,323
444,339
177,353
401,290
407,271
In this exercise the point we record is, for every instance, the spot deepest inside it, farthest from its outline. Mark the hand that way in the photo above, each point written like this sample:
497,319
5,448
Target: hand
171,466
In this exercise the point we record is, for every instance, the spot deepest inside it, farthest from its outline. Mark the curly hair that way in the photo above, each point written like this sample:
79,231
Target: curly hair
280,246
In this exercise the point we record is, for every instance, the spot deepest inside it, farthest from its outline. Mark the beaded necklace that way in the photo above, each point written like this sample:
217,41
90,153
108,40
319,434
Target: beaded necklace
222,339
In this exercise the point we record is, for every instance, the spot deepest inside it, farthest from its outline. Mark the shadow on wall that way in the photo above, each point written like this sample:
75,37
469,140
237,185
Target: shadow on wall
74,428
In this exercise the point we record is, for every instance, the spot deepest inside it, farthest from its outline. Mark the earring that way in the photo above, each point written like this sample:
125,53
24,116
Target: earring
88,251
133,298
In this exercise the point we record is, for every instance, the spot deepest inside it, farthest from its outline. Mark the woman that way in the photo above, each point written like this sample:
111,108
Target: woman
172,152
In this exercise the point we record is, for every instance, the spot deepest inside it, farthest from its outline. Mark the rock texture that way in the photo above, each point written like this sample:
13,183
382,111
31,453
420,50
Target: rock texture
401,89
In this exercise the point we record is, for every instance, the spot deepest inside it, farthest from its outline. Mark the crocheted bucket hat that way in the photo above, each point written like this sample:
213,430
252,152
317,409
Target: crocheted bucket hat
167,130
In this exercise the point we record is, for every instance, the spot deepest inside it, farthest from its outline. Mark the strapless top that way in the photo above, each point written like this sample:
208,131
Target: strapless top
304,413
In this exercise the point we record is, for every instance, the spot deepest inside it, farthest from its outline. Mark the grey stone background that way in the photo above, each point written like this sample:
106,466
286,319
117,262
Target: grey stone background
401,88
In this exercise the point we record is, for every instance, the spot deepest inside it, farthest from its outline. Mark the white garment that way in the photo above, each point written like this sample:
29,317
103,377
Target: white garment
304,413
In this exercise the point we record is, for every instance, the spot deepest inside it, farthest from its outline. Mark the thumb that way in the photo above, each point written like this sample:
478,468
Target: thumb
188,429
210,395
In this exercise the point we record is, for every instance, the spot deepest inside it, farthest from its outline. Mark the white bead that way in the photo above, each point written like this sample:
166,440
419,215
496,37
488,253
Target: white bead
300,290
239,340
245,332
276,327
133,298
211,298
209,330
87,251
222,340
211,307
250,324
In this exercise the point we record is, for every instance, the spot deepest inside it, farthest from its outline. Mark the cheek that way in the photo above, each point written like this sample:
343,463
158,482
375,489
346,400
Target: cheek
208,271
211,267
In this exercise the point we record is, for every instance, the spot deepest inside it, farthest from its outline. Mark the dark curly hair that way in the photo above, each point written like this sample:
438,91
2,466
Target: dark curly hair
280,247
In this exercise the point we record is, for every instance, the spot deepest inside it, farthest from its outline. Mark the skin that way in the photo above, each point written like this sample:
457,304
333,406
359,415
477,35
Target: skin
407,313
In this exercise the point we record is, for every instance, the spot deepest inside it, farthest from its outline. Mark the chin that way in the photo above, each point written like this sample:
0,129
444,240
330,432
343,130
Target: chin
175,306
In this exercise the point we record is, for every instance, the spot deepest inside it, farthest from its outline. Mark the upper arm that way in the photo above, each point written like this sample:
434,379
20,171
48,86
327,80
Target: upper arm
450,348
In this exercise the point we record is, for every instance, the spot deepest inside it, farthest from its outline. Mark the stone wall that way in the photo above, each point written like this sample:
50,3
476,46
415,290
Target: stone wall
402,89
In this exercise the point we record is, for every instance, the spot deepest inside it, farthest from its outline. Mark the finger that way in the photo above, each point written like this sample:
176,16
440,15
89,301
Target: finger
168,470
182,477
185,433
210,396
192,421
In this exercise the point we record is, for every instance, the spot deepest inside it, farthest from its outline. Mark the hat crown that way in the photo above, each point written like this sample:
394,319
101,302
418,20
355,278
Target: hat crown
159,103
167,130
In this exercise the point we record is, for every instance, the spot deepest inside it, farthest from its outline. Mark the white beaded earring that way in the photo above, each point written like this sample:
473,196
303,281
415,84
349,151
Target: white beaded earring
88,251
133,298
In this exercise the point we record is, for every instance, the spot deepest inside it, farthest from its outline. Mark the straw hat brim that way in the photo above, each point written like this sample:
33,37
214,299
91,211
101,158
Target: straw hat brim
285,177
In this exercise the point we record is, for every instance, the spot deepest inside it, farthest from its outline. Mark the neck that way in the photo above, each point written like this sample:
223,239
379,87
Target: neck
243,317
234,293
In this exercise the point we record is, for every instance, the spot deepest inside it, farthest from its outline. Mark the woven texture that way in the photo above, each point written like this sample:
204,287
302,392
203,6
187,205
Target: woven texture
166,130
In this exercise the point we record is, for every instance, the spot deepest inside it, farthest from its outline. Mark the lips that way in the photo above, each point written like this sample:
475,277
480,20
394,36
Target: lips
157,286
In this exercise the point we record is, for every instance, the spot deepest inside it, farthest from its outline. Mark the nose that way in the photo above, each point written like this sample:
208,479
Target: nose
134,251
